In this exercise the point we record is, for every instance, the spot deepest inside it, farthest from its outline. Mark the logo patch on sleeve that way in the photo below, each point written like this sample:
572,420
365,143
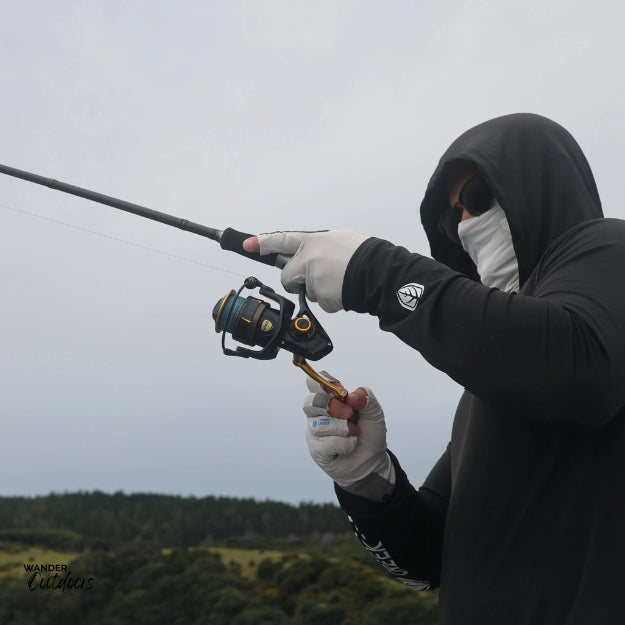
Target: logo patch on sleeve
410,295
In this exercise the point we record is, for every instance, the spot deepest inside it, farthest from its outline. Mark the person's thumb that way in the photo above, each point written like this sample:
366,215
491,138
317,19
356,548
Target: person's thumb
251,245
280,242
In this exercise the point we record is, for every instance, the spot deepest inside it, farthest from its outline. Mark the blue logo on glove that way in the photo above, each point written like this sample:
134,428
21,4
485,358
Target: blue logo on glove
321,421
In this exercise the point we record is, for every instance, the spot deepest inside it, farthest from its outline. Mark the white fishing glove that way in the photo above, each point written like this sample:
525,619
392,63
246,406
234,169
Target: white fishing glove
359,465
319,261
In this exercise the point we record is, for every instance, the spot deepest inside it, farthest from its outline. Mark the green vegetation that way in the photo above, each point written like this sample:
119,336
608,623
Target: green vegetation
310,571
97,520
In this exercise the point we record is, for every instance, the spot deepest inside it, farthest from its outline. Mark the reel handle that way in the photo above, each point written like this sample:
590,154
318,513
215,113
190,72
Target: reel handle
342,393
300,362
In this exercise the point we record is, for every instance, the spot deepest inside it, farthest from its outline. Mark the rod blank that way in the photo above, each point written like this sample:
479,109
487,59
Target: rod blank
229,239
129,207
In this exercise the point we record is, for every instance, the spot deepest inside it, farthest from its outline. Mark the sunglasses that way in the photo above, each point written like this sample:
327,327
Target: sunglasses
475,197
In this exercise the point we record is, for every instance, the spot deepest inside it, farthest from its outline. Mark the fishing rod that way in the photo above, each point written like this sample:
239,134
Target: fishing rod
250,320
229,239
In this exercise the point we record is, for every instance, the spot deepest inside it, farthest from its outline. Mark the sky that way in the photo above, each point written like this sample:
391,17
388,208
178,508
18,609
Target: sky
259,115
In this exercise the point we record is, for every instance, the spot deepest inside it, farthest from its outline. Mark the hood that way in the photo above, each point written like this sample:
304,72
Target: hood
537,172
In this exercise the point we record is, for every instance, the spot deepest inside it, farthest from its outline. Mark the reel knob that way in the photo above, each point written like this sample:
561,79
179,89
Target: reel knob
303,325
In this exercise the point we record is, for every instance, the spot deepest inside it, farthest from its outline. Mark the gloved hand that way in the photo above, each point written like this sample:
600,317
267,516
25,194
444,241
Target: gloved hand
354,457
319,261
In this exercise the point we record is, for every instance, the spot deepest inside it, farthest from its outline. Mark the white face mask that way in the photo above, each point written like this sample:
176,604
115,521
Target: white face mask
487,240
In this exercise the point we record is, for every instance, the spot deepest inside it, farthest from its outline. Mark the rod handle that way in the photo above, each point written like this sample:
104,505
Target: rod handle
232,240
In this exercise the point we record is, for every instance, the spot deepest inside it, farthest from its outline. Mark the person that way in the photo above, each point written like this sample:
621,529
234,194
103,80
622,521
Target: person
522,520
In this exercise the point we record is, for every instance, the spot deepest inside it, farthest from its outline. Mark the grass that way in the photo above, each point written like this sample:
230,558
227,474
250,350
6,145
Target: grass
244,562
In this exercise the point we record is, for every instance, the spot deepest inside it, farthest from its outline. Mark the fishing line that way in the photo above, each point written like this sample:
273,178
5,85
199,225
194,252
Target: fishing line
264,326
112,238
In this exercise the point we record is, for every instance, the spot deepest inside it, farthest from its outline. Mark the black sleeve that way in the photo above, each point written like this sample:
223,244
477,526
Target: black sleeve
405,533
556,355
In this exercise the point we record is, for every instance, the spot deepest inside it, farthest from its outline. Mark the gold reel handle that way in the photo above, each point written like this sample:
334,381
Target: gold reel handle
300,361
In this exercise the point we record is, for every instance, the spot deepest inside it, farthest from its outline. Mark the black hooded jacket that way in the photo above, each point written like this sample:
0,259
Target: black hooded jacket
522,520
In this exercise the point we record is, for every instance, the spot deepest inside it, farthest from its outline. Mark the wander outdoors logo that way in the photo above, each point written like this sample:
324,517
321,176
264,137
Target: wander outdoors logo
55,577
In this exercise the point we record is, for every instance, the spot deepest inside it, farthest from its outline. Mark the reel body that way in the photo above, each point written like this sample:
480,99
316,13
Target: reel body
253,321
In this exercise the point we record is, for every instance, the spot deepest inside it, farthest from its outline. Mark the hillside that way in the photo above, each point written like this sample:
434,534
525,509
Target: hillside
99,559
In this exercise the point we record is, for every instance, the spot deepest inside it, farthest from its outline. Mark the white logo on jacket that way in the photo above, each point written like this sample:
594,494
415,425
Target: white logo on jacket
410,295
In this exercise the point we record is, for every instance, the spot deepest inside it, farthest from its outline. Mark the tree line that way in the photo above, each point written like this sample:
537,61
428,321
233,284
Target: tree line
96,520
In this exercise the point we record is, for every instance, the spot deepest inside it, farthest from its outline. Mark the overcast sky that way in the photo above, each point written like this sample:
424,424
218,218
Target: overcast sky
260,115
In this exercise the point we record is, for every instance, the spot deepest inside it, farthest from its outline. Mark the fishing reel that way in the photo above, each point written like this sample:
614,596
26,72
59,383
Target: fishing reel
253,321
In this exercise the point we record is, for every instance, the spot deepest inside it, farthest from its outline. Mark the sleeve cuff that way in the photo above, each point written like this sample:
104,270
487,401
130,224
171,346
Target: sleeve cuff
354,503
